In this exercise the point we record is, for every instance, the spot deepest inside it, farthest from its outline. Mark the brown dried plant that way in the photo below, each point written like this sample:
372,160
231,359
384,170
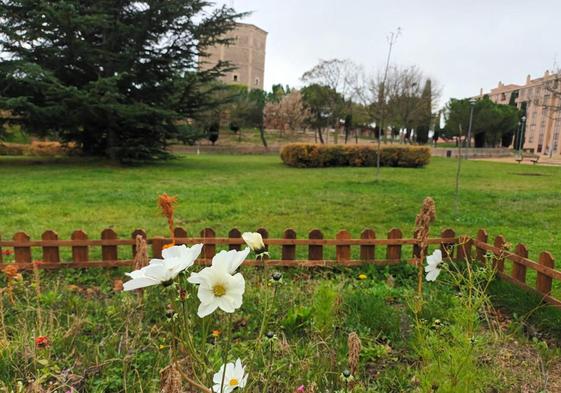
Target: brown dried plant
426,216
170,380
141,255
167,205
354,346
11,272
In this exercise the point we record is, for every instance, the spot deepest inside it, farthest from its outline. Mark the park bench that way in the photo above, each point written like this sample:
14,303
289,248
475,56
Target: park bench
528,156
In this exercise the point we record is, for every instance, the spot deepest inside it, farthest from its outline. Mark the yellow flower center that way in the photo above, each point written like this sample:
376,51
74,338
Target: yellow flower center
233,382
219,290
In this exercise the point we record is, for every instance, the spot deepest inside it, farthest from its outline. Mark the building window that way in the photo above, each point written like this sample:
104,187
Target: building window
256,81
503,97
235,78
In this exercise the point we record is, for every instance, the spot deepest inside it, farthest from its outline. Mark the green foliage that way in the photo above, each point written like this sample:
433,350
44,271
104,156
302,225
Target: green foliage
324,104
493,124
528,307
189,135
113,77
297,319
368,309
311,156
325,306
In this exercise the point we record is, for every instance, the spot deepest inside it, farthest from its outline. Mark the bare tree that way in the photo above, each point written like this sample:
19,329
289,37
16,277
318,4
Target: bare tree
337,74
340,76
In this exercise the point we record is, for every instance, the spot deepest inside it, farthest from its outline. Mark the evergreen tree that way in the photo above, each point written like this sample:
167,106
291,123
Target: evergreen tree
425,113
115,77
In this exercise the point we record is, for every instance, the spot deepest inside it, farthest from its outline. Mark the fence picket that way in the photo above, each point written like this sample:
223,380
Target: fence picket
265,235
343,251
394,252
109,252
157,246
289,250
79,253
464,249
368,252
179,232
50,253
209,250
543,281
447,248
518,269
480,253
499,259
22,253
235,234
315,252
134,234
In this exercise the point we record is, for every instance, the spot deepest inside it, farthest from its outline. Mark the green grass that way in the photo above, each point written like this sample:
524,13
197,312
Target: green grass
221,191
315,310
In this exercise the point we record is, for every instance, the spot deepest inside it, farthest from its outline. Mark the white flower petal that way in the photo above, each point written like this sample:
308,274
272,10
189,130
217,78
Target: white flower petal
137,283
206,309
175,252
254,240
432,275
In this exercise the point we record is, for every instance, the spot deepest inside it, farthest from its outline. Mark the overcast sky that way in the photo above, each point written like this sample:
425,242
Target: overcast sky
463,45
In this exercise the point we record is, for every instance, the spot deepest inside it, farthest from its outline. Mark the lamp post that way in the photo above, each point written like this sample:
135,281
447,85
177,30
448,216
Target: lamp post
521,127
471,107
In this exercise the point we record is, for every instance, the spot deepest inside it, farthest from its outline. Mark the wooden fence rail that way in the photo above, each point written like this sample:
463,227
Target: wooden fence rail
51,252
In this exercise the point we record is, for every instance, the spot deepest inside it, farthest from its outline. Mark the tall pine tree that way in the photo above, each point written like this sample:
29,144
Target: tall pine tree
112,76
425,113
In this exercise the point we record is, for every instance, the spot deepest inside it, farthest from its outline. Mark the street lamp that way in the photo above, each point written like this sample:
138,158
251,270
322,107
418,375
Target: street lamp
521,126
472,102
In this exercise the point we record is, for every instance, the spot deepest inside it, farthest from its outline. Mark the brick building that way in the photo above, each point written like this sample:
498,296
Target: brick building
246,53
542,108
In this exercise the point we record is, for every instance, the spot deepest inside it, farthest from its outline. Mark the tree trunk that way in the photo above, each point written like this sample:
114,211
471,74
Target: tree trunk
320,136
262,135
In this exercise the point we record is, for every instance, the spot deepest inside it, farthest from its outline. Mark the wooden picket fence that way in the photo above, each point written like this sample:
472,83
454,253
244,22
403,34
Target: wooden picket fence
316,247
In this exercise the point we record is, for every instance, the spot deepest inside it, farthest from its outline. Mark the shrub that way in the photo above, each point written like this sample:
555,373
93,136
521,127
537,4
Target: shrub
317,156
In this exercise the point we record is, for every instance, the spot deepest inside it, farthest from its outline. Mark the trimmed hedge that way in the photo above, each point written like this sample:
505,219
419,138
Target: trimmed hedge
304,155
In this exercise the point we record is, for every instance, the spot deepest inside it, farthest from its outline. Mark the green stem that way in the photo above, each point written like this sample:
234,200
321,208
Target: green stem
225,351
269,369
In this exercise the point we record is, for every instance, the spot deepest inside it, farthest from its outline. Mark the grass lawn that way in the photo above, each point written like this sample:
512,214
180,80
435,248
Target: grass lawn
105,341
224,191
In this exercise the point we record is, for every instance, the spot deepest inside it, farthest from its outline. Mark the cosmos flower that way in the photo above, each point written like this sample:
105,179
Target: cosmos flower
254,240
433,262
234,377
218,289
162,271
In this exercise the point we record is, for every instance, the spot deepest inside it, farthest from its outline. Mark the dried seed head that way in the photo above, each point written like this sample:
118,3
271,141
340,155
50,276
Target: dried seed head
167,205
170,380
141,255
355,347
426,216
11,271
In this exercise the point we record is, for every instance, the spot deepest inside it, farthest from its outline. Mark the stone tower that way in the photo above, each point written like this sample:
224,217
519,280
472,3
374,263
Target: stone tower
246,53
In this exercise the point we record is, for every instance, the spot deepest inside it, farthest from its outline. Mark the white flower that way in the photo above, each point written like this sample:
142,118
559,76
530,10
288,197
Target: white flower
230,260
218,288
255,241
432,269
234,377
163,271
